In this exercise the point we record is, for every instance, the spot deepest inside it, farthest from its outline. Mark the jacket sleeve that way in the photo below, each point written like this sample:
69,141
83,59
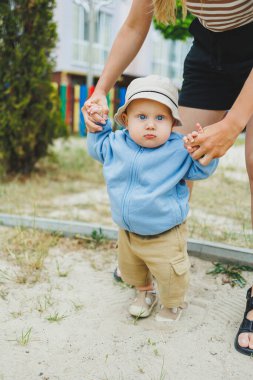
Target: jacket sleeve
98,143
198,171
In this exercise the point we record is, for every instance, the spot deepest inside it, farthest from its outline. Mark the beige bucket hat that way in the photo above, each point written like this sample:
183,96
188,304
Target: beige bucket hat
153,87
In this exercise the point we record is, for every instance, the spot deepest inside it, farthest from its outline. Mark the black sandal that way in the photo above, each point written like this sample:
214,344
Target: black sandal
246,326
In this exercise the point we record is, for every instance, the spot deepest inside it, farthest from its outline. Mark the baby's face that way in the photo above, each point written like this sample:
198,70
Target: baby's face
149,122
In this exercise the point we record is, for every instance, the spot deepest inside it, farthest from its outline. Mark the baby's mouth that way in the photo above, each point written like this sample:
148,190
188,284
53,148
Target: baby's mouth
149,136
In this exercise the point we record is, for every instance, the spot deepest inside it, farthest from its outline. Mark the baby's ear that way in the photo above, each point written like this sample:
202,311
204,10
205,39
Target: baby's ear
174,124
125,119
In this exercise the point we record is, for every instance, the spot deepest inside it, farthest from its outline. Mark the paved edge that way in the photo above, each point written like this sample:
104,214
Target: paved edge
203,249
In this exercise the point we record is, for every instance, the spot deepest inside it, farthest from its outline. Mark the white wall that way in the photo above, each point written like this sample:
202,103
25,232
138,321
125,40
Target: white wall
141,65
63,16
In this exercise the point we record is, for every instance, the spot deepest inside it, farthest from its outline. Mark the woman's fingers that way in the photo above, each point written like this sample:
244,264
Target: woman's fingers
94,108
94,111
91,121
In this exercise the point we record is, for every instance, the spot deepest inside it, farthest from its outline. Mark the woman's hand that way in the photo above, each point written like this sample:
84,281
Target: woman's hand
95,110
213,142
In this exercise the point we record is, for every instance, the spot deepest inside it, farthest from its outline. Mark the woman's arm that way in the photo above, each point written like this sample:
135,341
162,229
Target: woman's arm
219,137
125,47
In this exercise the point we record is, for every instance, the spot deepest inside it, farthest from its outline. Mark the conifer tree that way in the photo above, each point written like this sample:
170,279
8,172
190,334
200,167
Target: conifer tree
29,109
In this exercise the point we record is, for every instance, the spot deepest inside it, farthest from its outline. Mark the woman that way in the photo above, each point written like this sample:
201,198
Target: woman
218,76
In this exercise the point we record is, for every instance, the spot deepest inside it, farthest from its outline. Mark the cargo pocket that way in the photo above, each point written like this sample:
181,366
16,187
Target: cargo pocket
181,266
179,279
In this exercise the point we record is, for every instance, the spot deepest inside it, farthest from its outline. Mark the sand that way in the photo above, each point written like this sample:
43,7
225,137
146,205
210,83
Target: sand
98,340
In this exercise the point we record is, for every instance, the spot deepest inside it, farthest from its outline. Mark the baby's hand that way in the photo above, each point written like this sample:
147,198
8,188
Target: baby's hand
95,112
189,138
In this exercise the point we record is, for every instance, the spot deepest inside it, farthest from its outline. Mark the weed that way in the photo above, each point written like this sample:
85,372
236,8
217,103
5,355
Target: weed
24,339
4,275
122,284
16,314
98,237
3,294
231,273
141,370
56,317
163,373
137,317
44,303
153,345
59,272
28,249
77,306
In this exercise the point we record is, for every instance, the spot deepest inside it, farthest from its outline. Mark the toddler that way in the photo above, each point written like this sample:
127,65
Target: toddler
145,166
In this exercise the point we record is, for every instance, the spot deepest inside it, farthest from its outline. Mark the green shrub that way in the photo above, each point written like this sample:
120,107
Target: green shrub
179,30
29,106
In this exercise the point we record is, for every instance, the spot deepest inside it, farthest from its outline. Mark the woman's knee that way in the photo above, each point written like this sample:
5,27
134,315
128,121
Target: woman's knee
249,164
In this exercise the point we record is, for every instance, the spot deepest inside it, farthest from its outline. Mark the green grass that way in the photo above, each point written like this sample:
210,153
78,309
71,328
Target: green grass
66,170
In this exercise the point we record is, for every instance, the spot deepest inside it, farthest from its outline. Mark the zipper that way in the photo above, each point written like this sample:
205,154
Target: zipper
126,197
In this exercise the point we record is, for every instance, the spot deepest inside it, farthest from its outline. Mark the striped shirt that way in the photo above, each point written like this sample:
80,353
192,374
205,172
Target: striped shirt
221,15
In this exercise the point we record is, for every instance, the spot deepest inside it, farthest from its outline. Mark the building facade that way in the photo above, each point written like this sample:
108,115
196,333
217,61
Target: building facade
86,30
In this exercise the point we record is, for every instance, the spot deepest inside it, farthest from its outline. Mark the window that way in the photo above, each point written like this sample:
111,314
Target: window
80,23
102,36
168,57
160,63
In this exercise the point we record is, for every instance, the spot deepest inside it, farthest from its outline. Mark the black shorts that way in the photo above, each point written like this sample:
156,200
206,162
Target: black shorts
216,67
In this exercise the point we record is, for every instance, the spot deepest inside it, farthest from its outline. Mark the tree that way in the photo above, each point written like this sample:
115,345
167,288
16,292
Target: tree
30,117
178,31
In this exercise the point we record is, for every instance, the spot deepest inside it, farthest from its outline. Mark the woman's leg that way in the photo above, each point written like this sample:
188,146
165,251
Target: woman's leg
191,116
249,159
246,339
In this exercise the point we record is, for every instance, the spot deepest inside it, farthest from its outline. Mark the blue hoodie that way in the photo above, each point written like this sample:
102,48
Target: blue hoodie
146,186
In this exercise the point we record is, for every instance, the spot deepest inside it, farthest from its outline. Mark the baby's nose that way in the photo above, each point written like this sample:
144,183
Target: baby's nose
150,124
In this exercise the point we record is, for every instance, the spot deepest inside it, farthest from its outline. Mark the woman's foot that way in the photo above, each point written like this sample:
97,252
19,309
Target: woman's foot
244,337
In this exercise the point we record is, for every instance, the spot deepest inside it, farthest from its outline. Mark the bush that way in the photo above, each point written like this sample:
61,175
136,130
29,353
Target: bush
29,106
178,31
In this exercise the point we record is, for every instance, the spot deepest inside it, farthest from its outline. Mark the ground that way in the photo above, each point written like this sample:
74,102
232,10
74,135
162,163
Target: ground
70,321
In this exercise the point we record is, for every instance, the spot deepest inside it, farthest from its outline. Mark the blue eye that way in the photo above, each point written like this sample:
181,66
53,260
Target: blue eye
160,117
142,117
